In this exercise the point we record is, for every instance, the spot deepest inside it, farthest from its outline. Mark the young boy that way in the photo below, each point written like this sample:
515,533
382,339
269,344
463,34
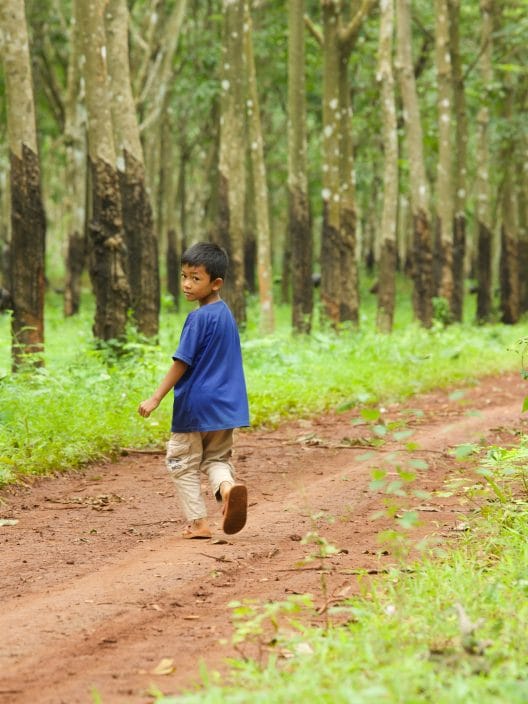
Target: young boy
210,397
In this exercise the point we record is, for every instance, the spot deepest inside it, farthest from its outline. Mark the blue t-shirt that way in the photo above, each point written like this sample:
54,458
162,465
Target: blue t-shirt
211,395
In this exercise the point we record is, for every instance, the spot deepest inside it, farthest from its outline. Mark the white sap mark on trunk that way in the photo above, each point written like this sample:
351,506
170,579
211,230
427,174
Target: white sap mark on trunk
225,84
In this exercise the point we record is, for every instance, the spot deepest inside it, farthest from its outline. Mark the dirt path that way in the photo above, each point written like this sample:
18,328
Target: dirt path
97,588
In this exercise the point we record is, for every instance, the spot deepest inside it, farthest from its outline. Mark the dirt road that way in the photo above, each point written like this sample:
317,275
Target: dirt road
97,588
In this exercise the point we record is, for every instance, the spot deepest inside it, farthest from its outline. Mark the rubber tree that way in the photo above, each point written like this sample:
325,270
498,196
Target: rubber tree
28,224
141,242
389,213
421,251
444,175
232,177
107,250
299,224
460,172
76,173
339,293
482,182
509,255
260,186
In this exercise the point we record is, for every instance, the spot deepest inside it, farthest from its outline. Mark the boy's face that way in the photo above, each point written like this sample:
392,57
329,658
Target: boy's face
197,285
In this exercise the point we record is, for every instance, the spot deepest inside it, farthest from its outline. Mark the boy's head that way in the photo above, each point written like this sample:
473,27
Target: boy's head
213,258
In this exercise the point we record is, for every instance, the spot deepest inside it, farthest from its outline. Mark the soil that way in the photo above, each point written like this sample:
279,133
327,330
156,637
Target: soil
100,593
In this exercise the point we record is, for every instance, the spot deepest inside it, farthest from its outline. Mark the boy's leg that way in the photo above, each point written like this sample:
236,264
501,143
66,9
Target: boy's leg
217,451
183,459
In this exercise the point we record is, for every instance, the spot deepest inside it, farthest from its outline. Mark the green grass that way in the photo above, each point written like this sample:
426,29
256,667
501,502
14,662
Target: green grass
82,405
451,632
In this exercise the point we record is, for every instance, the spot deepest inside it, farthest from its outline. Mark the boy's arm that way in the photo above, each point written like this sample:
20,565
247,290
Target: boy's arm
172,377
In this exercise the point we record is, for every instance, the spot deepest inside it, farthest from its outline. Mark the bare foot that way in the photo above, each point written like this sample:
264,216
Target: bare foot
198,529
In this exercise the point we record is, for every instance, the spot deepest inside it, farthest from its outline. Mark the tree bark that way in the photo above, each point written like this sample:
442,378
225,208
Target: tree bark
522,202
28,225
421,253
482,185
330,241
141,243
389,216
232,182
299,225
76,174
349,280
260,186
509,259
168,216
107,246
339,294
444,183
460,172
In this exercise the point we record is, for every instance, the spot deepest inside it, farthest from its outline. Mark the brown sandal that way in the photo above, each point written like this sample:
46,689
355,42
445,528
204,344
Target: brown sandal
235,509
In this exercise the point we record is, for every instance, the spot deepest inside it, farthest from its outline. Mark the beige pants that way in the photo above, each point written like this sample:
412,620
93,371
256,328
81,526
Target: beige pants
191,454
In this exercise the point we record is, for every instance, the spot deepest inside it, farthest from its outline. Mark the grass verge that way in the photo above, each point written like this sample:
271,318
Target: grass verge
82,406
451,632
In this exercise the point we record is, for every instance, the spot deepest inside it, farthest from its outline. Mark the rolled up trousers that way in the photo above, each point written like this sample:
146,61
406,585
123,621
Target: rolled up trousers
189,455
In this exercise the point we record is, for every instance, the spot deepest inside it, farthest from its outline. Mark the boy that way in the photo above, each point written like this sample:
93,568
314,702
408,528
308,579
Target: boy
210,397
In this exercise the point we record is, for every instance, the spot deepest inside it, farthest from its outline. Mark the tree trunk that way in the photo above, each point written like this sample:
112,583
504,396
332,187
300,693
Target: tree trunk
482,186
509,259
389,215
107,247
338,293
169,224
232,181
330,250
349,281
460,173
141,243
522,203
444,184
260,186
299,226
76,175
421,254
28,225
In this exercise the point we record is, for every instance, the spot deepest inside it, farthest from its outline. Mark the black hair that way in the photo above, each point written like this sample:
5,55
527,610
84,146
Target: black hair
213,258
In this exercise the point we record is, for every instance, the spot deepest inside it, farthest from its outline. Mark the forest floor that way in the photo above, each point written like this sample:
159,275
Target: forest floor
99,592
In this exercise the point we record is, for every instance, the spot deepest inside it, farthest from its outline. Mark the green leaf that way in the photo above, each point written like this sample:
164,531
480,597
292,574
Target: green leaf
525,405
409,519
463,451
378,474
419,464
403,435
406,476
457,395
370,414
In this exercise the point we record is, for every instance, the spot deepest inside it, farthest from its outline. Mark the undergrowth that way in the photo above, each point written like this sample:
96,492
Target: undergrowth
451,630
82,405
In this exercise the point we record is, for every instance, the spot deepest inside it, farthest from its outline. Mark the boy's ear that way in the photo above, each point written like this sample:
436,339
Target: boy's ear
217,284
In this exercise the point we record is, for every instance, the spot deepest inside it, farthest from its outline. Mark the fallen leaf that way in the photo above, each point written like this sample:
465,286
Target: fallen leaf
8,521
164,667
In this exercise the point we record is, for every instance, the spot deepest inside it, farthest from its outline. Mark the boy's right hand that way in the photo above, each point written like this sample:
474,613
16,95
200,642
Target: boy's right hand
146,407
